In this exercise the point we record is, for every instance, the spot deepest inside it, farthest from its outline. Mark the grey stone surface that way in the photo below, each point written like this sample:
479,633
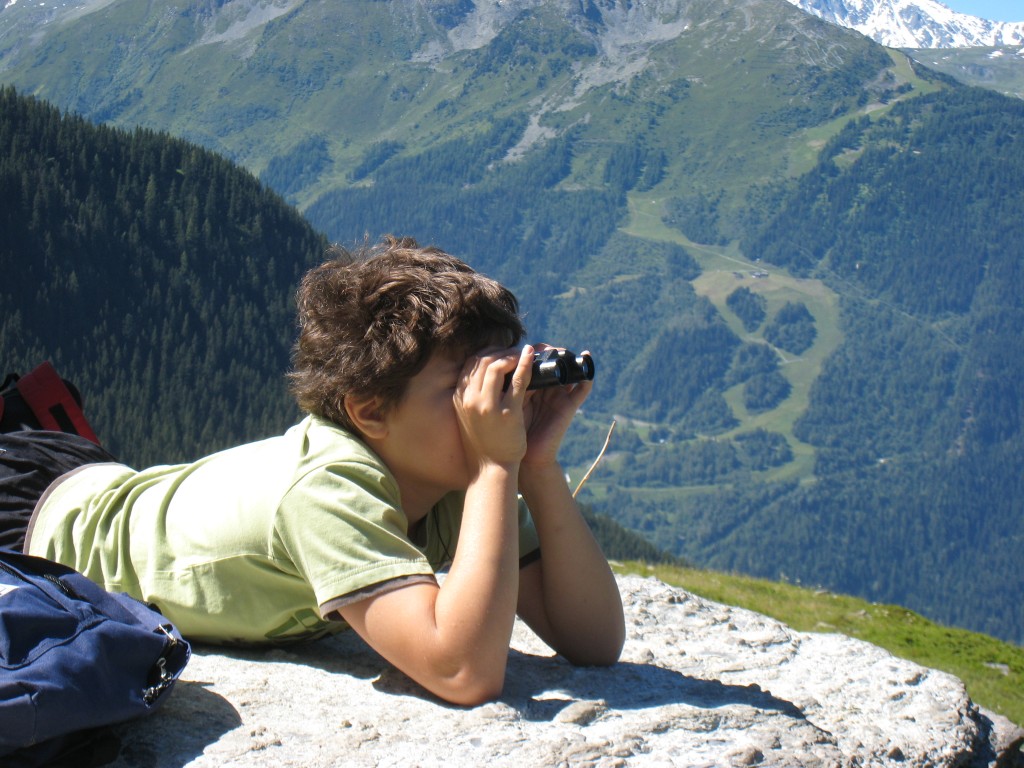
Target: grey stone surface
699,684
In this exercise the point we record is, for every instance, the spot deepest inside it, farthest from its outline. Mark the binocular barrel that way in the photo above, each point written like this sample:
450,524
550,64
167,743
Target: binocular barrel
558,368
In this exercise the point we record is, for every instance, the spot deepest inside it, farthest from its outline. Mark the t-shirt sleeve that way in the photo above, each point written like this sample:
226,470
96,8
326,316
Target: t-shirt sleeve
342,528
529,542
445,520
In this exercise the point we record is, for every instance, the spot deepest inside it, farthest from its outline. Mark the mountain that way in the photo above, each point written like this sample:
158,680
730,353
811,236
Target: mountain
1000,69
301,92
972,50
915,23
793,253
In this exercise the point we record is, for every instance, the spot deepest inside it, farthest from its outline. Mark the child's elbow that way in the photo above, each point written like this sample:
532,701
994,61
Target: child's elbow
606,657
472,690
475,696
470,681
601,650
603,657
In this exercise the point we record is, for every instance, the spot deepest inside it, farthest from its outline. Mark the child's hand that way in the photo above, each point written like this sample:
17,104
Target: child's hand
548,414
491,417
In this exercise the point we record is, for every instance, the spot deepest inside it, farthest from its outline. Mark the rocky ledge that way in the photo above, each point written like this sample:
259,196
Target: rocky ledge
699,684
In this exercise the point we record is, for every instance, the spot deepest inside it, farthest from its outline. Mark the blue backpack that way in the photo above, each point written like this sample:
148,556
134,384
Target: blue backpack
75,658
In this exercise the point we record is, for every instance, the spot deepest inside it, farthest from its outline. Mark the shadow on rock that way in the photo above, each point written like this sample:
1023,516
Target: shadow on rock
344,654
541,687
193,718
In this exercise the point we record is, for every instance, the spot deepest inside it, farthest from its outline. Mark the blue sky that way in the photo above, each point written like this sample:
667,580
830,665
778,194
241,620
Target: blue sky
996,10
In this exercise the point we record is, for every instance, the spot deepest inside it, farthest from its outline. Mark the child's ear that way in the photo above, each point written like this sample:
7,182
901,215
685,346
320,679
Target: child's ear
367,416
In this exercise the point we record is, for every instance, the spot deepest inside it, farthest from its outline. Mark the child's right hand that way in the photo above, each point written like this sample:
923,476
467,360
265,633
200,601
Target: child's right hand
491,417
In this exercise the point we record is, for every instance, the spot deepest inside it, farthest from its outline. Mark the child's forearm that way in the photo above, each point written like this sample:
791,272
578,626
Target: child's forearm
453,640
476,607
580,608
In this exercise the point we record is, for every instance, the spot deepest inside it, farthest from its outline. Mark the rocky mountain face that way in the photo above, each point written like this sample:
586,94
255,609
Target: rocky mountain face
699,684
915,23
276,83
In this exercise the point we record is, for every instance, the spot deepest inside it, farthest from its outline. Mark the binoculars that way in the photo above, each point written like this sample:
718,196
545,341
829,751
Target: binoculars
557,368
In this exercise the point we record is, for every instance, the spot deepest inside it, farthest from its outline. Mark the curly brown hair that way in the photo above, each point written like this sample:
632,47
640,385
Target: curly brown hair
370,320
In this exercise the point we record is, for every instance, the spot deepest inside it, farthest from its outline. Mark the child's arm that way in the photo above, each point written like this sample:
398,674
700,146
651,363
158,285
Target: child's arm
569,597
454,639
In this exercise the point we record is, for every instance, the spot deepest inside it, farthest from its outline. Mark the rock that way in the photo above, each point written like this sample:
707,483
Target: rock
699,684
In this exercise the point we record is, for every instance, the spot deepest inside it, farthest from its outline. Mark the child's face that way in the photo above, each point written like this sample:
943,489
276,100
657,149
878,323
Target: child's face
423,443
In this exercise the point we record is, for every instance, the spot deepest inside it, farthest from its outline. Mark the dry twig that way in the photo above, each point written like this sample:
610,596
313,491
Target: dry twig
593,466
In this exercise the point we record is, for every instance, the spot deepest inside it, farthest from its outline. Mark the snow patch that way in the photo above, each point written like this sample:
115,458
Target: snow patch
914,23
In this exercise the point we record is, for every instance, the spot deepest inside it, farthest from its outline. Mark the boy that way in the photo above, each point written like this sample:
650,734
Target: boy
412,457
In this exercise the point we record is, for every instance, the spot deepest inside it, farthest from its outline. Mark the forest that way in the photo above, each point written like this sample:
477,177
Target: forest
154,274
917,417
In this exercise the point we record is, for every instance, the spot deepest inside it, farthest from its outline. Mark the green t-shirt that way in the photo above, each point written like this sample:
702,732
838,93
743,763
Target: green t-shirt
248,545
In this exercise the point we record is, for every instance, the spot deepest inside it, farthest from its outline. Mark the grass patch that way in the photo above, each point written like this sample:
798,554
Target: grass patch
725,268
991,670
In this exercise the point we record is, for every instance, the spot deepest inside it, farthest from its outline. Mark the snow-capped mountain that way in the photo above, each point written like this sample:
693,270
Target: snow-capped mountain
915,23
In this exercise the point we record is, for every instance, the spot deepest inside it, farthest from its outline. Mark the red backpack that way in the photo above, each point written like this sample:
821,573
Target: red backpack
42,400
